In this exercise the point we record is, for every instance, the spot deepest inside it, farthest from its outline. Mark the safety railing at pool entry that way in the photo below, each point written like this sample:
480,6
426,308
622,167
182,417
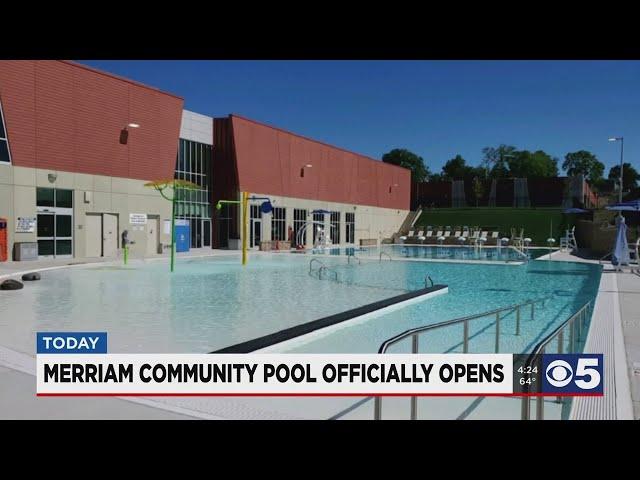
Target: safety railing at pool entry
328,271
349,257
384,253
521,252
574,322
322,268
428,280
415,333
315,260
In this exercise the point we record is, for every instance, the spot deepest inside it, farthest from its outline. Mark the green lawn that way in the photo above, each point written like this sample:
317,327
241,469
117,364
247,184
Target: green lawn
535,221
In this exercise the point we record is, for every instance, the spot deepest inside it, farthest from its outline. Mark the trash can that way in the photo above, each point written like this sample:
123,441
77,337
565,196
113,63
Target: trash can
183,236
4,241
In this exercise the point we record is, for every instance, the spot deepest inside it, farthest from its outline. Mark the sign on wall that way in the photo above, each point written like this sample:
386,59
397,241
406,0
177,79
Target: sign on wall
138,218
167,227
25,224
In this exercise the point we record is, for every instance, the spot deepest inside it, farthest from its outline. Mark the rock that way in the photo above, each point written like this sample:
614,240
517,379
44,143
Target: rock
11,285
30,277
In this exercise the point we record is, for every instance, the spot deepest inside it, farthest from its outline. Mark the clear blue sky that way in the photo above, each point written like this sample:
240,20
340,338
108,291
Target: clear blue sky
435,108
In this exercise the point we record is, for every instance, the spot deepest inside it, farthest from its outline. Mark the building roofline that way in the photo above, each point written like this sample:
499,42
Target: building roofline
316,141
118,77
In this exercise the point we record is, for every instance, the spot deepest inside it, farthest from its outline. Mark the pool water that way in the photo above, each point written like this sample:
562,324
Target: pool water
214,302
435,252
473,289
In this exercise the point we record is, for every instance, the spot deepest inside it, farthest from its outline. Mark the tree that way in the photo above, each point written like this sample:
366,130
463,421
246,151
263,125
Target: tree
457,169
478,189
404,158
630,176
494,160
454,168
526,164
584,163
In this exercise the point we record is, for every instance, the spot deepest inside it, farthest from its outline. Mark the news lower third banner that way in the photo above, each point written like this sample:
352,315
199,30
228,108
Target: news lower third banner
316,375
77,363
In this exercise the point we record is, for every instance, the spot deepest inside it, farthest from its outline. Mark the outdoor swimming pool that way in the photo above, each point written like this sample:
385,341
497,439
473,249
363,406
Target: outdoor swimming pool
452,253
214,302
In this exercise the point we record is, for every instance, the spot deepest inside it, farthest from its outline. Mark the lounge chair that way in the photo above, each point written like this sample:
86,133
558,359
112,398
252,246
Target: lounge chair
493,238
454,239
482,239
430,238
409,235
474,237
420,238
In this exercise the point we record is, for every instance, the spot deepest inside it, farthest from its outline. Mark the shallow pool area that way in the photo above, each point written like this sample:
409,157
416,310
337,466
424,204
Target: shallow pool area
214,302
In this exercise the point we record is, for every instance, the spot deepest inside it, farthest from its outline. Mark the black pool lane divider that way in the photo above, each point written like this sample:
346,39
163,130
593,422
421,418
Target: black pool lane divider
305,328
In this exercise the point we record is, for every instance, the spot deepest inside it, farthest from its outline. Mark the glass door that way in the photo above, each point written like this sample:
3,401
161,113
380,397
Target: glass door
256,233
206,233
55,222
46,235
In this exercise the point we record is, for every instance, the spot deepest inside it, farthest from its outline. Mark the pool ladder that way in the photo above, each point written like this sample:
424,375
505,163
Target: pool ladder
384,253
415,333
349,257
322,268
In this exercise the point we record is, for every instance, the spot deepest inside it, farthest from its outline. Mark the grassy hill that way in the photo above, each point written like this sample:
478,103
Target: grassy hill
535,221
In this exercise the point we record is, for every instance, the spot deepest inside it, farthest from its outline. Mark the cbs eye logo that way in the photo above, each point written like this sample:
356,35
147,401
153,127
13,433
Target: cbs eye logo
559,373
573,373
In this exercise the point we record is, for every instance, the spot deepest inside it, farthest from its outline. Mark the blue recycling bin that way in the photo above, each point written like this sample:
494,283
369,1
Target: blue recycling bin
183,236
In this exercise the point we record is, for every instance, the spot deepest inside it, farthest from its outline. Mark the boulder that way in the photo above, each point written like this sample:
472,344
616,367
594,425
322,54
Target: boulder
30,277
11,285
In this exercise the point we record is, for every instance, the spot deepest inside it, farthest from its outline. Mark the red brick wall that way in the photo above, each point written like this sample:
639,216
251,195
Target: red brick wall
64,116
269,161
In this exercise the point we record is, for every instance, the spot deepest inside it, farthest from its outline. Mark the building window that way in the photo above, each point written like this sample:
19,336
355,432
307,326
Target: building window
255,231
5,154
194,165
335,228
350,223
299,221
278,231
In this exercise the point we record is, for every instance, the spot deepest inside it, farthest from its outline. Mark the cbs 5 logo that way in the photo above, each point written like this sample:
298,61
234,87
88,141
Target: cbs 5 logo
573,373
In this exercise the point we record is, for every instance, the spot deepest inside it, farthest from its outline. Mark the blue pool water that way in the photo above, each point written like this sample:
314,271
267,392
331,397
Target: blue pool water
436,252
214,302
473,289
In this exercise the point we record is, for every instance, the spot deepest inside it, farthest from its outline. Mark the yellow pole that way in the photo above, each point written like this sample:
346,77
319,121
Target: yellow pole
245,219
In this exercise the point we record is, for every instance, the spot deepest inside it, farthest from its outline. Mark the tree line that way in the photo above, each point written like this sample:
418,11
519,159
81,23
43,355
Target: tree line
506,161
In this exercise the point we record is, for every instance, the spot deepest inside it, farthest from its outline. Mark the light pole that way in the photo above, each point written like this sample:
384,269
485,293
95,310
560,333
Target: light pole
621,140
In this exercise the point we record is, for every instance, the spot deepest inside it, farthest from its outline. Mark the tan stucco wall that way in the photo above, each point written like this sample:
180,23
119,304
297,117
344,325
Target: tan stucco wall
115,195
370,222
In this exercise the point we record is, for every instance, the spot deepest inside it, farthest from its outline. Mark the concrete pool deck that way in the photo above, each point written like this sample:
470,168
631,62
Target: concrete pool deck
615,331
17,374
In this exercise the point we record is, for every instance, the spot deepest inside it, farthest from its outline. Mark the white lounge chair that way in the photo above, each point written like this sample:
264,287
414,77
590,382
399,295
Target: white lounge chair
404,237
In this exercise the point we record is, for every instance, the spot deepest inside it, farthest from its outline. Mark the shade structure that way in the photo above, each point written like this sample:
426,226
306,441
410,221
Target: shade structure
631,206
620,255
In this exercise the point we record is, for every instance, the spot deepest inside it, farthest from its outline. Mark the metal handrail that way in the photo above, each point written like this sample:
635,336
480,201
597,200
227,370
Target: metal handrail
428,277
521,252
326,269
384,253
315,260
416,332
349,257
580,316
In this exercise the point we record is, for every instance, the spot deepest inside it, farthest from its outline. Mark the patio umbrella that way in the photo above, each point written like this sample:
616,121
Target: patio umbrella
575,210
620,255
631,206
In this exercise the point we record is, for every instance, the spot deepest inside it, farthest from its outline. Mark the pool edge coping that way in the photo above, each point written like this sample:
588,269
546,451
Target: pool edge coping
306,331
